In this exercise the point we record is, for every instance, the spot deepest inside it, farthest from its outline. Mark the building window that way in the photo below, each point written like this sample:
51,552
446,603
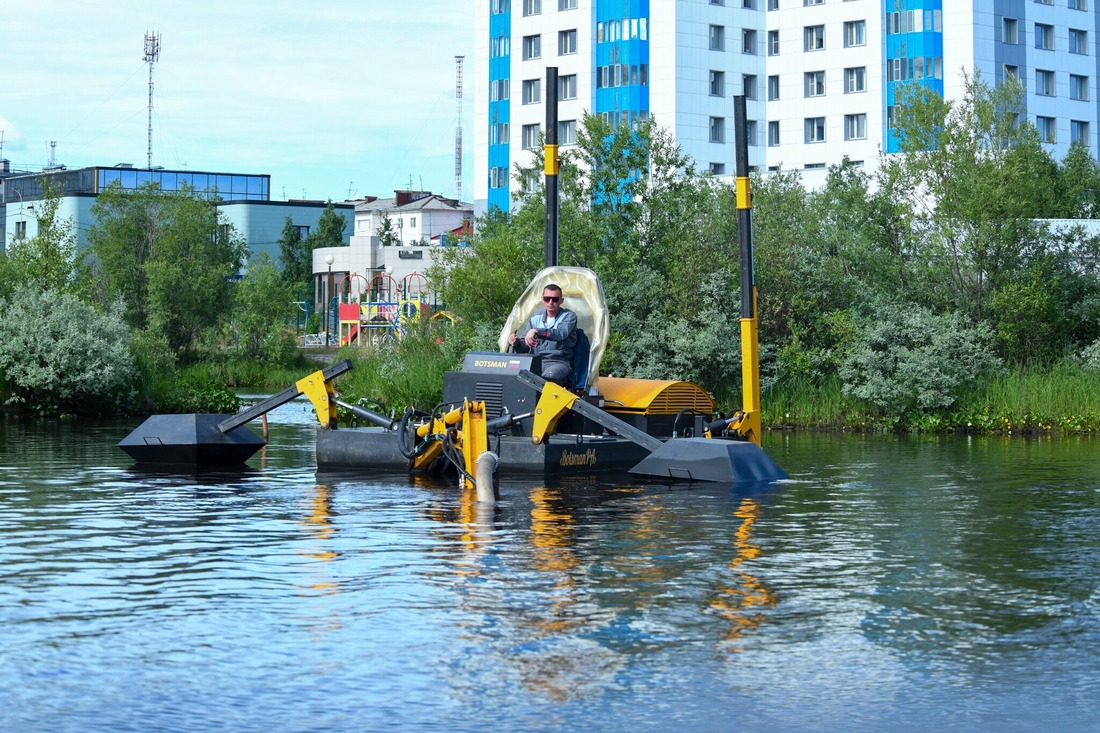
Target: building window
567,4
855,33
855,127
1078,41
748,4
815,83
748,41
532,91
814,166
1044,83
1046,129
567,87
532,47
1044,36
1012,70
1079,131
773,4
1079,87
773,43
499,89
567,132
498,177
750,133
530,137
808,3
1010,30
855,80
815,129
1078,5
496,7
748,85
718,168
717,38
773,134
532,7
717,83
567,42
717,129
500,46
815,37
773,88
498,133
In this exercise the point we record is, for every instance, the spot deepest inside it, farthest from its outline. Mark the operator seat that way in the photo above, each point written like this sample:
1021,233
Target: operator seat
583,295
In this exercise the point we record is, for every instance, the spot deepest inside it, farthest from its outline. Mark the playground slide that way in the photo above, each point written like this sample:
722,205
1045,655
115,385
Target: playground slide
352,335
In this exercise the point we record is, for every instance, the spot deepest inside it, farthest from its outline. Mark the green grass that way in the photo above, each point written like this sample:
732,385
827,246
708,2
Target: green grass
806,403
1063,397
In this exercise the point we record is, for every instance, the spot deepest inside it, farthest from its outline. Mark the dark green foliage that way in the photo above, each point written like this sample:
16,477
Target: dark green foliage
262,313
296,258
480,283
168,255
329,231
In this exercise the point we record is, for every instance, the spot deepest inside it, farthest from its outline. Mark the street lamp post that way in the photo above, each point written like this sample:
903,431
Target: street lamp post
329,259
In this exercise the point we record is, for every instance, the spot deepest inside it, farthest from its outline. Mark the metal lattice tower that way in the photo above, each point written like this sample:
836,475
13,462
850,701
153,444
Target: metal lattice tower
152,55
458,127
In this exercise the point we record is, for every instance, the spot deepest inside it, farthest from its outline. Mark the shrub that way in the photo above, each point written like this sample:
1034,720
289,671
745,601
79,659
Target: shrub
60,355
1090,356
905,359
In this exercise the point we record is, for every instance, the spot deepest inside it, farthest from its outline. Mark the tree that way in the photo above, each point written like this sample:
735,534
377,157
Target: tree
262,312
170,256
977,173
480,283
295,257
387,232
329,231
46,259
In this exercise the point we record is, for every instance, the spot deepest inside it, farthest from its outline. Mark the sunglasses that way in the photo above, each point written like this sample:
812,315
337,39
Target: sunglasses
551,299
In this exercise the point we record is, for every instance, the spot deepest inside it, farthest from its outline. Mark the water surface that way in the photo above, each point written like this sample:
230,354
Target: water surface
891,584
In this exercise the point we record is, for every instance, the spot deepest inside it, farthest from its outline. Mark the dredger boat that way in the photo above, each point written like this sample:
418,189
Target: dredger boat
498,403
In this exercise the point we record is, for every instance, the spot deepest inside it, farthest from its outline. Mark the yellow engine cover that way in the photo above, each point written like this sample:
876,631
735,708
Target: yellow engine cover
653,396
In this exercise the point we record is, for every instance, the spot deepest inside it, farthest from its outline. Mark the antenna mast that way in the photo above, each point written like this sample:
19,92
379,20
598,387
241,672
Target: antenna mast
458,127
152,55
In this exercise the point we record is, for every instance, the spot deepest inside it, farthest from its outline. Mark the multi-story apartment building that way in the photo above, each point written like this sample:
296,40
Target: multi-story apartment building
820,76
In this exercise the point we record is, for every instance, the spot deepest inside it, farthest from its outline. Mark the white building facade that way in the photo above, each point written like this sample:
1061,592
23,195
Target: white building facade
820,76
422,223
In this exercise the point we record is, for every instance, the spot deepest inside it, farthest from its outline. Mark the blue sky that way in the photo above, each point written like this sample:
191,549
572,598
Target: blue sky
327,97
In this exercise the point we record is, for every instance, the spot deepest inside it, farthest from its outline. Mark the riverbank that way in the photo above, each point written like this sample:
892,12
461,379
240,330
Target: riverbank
1062,398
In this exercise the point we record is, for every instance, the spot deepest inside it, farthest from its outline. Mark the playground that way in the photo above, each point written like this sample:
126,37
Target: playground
380,310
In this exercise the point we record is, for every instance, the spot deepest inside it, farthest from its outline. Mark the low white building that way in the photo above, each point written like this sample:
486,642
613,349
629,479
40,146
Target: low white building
420,223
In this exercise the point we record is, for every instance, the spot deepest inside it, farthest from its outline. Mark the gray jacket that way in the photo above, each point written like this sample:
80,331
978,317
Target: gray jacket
556,341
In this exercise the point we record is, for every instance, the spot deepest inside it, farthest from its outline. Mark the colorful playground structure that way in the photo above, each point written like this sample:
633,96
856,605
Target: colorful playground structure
379,310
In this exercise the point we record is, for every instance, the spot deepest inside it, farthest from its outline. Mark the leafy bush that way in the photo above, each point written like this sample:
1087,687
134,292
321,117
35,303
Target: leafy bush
1090,356
60,355
905,359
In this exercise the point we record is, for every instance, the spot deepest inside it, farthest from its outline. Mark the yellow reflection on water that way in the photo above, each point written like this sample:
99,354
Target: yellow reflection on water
741,600
319,527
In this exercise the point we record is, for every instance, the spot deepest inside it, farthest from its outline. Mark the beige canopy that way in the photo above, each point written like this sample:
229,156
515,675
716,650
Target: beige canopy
583,295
